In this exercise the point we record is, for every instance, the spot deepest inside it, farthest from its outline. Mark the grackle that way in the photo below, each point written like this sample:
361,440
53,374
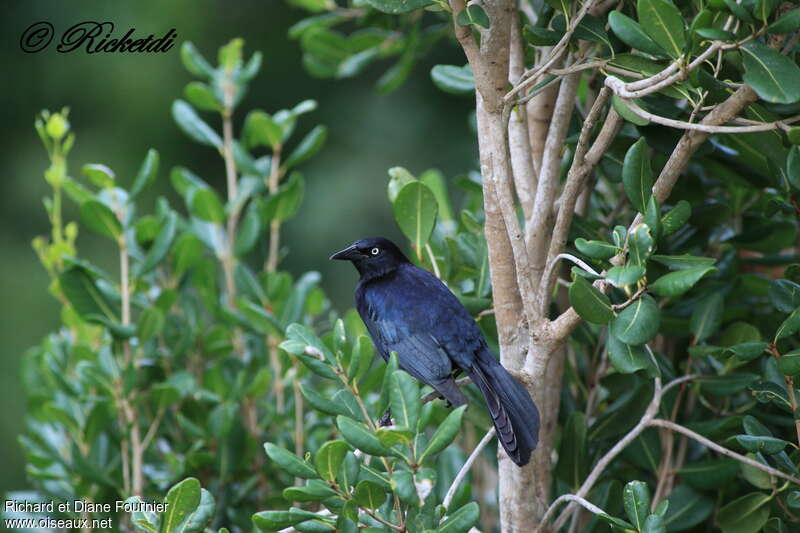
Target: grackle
407,310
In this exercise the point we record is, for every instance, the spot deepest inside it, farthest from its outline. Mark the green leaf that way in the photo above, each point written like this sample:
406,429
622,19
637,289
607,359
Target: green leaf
774,77
285,204
270,521
784,295
151,323
261,130
201,96
663,22
452,79
289,462
445,433
787,23
631,33
682,262
789,327
679,282
193,126
143,519
329,458
596,249
314,491
707,316
361,437
101,175
100,219
146,175
205,204
626,358
640,244
775,525
194,61
746,514
710,474
573,460
789,363
687,508
310,145
591,304
160,247
404,399
637,323
473,15
793,159
396,7
654,524
369,494
676,217
182,500
637,176
728,384
636,499
415,212
762,444
201,517
623,276
621,107
82,292
462,520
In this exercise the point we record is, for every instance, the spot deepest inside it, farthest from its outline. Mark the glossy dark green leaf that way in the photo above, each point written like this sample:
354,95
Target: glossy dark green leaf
663,22
710,474
369,494
182,500
637,323
361,437
270,521
404,399
675,218
654,523
789,363
623,276
329,458
788,23
591,304
707,316
596,249
461,520
81,290
773,76
784,295
789,326
289,462
678,282
473,15
640,244
631,33
682,262
627,358
637,176
445,433
573,461
687,508
767,445
636,499
746,514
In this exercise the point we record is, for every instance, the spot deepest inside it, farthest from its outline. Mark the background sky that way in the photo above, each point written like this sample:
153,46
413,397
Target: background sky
120,107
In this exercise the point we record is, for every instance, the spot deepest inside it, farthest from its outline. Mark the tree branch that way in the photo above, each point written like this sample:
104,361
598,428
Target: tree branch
448,498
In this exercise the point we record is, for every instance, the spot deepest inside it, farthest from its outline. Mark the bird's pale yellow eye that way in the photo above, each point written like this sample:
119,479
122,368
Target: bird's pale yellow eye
375,251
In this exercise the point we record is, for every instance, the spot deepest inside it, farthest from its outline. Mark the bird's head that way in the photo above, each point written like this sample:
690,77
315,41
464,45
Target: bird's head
372,257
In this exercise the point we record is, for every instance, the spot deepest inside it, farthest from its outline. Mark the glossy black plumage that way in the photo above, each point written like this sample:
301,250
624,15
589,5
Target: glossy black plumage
409,311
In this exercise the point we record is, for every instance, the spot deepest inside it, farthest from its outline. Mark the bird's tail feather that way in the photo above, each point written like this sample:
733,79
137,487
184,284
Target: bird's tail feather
515,416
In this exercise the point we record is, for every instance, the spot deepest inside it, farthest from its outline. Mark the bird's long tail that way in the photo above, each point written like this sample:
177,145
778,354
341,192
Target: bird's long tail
515,416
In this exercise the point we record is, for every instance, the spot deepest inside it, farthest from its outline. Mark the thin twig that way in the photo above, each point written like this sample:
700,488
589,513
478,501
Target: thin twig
448,498
570,498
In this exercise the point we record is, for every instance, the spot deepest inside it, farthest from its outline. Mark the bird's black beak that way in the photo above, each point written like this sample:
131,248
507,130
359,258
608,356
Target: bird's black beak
348,254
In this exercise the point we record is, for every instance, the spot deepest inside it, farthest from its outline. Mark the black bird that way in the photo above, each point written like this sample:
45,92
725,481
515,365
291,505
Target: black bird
409,311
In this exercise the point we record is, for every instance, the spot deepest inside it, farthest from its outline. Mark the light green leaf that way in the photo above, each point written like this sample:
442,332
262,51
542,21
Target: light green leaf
462,520
289,462
596,249
369,494
182,500
310,145
680,281
623,276
415,212
146,175
453,79
404,399
100,219
361,437
636,500
445,433
193,126
205,204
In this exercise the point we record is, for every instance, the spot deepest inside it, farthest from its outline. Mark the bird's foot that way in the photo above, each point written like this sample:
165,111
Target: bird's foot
386,419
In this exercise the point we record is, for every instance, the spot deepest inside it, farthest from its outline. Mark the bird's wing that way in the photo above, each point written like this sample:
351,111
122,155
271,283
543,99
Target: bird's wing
415,315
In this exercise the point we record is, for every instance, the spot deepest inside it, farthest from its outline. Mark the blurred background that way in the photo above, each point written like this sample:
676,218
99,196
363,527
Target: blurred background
120,107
